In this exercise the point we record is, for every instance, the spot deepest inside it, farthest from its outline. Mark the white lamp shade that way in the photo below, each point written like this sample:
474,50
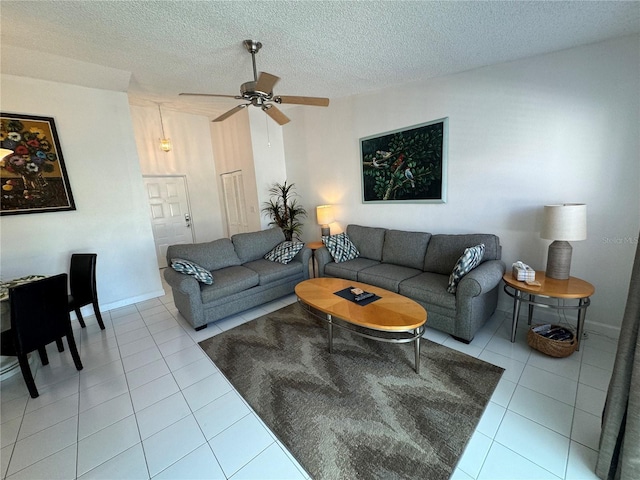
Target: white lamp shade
324,214
567,222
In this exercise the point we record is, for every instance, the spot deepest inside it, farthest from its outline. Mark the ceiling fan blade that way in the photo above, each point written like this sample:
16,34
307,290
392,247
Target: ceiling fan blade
275,113
266,82
210,95
234,110
314,101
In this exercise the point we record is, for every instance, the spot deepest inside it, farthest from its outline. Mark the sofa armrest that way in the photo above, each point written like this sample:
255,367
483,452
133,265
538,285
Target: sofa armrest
304,256
322,257
482,279
185,284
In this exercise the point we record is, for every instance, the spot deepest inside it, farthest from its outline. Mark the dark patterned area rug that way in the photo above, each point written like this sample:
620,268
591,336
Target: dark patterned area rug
361,412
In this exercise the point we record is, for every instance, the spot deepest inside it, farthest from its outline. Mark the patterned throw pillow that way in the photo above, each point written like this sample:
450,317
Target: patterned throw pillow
340,247
284,252
190,268
469,260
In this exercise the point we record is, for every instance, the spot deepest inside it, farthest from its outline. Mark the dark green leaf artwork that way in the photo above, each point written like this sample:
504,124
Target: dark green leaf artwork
405,165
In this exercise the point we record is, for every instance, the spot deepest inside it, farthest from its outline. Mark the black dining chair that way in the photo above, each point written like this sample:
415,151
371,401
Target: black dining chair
82,276
39,316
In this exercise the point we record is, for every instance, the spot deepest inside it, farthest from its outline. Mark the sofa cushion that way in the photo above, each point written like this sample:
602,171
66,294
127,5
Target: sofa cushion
429,288
254,245
444,251
340,247
368,240
405,248
189,268
386,275
209,255
284,252
469,260
269,271
228,281
348,270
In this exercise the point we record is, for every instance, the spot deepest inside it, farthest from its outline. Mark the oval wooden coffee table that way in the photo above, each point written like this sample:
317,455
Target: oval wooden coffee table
391,318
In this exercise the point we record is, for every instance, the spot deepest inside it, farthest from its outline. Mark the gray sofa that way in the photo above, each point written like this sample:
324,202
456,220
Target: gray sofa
242,278
417,265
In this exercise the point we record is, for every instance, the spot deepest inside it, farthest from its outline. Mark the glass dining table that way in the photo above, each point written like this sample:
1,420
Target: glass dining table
9,365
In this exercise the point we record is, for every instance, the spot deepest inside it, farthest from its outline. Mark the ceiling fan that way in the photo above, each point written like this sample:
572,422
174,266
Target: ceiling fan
259,92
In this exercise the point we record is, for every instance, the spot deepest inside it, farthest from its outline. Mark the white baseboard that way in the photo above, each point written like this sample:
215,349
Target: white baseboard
606,330
87,310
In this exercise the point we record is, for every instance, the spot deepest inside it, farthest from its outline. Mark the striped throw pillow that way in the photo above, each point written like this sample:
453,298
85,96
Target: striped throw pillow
340,247
189,268
469,260
284,252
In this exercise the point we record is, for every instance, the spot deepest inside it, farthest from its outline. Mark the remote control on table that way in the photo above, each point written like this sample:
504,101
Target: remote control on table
363,296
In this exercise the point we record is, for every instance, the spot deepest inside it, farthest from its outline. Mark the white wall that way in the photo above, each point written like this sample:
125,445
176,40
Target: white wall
96,137
268,156
233,151
556,128
191,156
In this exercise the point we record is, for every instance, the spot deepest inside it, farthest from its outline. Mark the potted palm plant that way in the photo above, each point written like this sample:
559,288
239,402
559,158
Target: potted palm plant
284,211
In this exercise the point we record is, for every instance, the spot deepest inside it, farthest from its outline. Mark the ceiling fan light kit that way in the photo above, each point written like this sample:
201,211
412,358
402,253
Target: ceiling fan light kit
259,93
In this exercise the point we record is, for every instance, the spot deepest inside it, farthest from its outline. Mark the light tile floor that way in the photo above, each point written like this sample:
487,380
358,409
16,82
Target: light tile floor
150,404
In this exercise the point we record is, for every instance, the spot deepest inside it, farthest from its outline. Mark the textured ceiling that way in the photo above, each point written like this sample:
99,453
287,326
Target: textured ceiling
318,48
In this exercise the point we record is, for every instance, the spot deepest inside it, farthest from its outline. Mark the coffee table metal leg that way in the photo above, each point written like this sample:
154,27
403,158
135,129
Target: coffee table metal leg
418,350
330,333
516,314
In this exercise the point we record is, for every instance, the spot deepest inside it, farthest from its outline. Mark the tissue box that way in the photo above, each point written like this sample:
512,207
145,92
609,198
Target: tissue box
524,274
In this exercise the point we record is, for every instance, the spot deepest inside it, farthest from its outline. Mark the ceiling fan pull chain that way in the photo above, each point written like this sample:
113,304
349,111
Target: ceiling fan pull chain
266,120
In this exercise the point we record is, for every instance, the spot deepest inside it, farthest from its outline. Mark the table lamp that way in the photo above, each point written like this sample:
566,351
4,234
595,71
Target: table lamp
325,217
562,224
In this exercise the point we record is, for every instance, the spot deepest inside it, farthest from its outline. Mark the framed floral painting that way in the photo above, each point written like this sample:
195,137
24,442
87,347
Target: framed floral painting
408,165
33,176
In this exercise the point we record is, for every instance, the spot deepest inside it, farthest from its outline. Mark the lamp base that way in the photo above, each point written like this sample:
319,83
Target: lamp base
325,230
559,260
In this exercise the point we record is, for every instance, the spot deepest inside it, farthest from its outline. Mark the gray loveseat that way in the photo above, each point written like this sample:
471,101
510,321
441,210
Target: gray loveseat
242,278
417,265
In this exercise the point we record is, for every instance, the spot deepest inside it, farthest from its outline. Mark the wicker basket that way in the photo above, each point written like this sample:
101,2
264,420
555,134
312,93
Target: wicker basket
554,348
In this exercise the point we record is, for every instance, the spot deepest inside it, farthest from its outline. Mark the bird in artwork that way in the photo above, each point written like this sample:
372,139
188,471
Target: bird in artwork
409,176
380,159
383,155
379,164
398,163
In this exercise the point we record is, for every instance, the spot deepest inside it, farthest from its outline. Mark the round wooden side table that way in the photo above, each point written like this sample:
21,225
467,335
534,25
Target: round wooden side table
571,289
314,246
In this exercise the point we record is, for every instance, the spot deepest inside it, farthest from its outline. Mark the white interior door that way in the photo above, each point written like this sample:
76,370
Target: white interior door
170,214
234,202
